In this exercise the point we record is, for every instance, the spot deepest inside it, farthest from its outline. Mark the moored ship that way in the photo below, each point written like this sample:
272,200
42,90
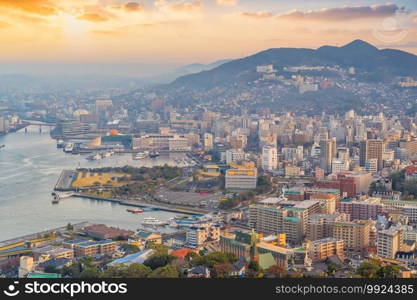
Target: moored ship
135,210
154,221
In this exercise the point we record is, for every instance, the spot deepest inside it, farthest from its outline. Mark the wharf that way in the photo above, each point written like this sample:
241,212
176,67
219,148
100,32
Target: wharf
145,205
65,180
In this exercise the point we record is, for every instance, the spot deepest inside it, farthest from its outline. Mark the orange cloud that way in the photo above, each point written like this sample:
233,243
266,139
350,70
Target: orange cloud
134,6
180,6
227,2
93,17
40,7
257,15
4,25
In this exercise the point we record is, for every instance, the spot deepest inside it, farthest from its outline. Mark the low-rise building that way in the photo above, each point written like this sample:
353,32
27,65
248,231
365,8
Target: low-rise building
95,247
324,248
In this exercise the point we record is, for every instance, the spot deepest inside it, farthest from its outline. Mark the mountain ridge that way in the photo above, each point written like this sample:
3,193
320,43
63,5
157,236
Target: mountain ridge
358,54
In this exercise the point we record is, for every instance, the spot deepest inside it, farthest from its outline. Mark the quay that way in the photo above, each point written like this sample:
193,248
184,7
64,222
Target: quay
65,180
145,205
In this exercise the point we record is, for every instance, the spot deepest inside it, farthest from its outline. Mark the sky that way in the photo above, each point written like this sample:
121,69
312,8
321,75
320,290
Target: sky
177,32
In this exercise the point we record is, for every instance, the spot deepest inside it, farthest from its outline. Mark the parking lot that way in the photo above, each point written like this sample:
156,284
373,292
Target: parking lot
193,199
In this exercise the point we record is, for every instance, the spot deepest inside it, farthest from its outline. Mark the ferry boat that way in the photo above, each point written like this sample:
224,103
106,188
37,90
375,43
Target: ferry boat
58,196
141,155
183,221
135,210
154,221
60,143
69,147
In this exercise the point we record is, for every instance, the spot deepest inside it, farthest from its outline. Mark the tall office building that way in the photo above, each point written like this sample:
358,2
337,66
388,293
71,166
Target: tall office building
208,141
371,149
269,158
328,152
2,125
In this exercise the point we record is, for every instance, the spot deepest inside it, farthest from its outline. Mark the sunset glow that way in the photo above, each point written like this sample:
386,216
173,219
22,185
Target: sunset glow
171,31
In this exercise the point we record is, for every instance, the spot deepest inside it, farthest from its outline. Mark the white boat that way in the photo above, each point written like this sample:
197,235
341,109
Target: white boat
153,221
58,196
97,156
108,154
60,143
63,195
68,147
141,155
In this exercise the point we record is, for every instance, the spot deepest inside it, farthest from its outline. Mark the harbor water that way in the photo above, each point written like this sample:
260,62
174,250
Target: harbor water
30,164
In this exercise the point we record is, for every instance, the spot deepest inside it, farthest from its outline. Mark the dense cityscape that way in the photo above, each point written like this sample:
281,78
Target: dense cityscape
262,194
286,163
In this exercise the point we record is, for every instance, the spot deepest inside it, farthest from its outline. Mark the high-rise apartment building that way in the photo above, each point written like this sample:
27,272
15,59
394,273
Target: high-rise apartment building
269,158
328,152
355,234
390,241
320,226
371,149
208,141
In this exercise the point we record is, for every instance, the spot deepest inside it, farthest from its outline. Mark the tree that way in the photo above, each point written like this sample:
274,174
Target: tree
222,270
410,187
190,256
254,265
332,267
275,271
123,271
70,227
159,248
369,269
158,260
214,258
90,272
390,271
50,269
168,271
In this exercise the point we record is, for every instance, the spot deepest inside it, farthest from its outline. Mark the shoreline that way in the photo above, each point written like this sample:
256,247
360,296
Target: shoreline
138,204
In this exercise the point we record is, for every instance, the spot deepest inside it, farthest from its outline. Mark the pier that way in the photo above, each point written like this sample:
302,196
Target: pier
144,205
65,180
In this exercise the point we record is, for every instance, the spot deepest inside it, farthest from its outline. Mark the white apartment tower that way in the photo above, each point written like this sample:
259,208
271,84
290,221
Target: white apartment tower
269,158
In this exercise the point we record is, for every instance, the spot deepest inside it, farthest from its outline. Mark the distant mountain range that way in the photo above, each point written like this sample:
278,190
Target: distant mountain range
182,71
380,64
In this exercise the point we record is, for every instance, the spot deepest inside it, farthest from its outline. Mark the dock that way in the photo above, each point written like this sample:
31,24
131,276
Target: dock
144,205
65,180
